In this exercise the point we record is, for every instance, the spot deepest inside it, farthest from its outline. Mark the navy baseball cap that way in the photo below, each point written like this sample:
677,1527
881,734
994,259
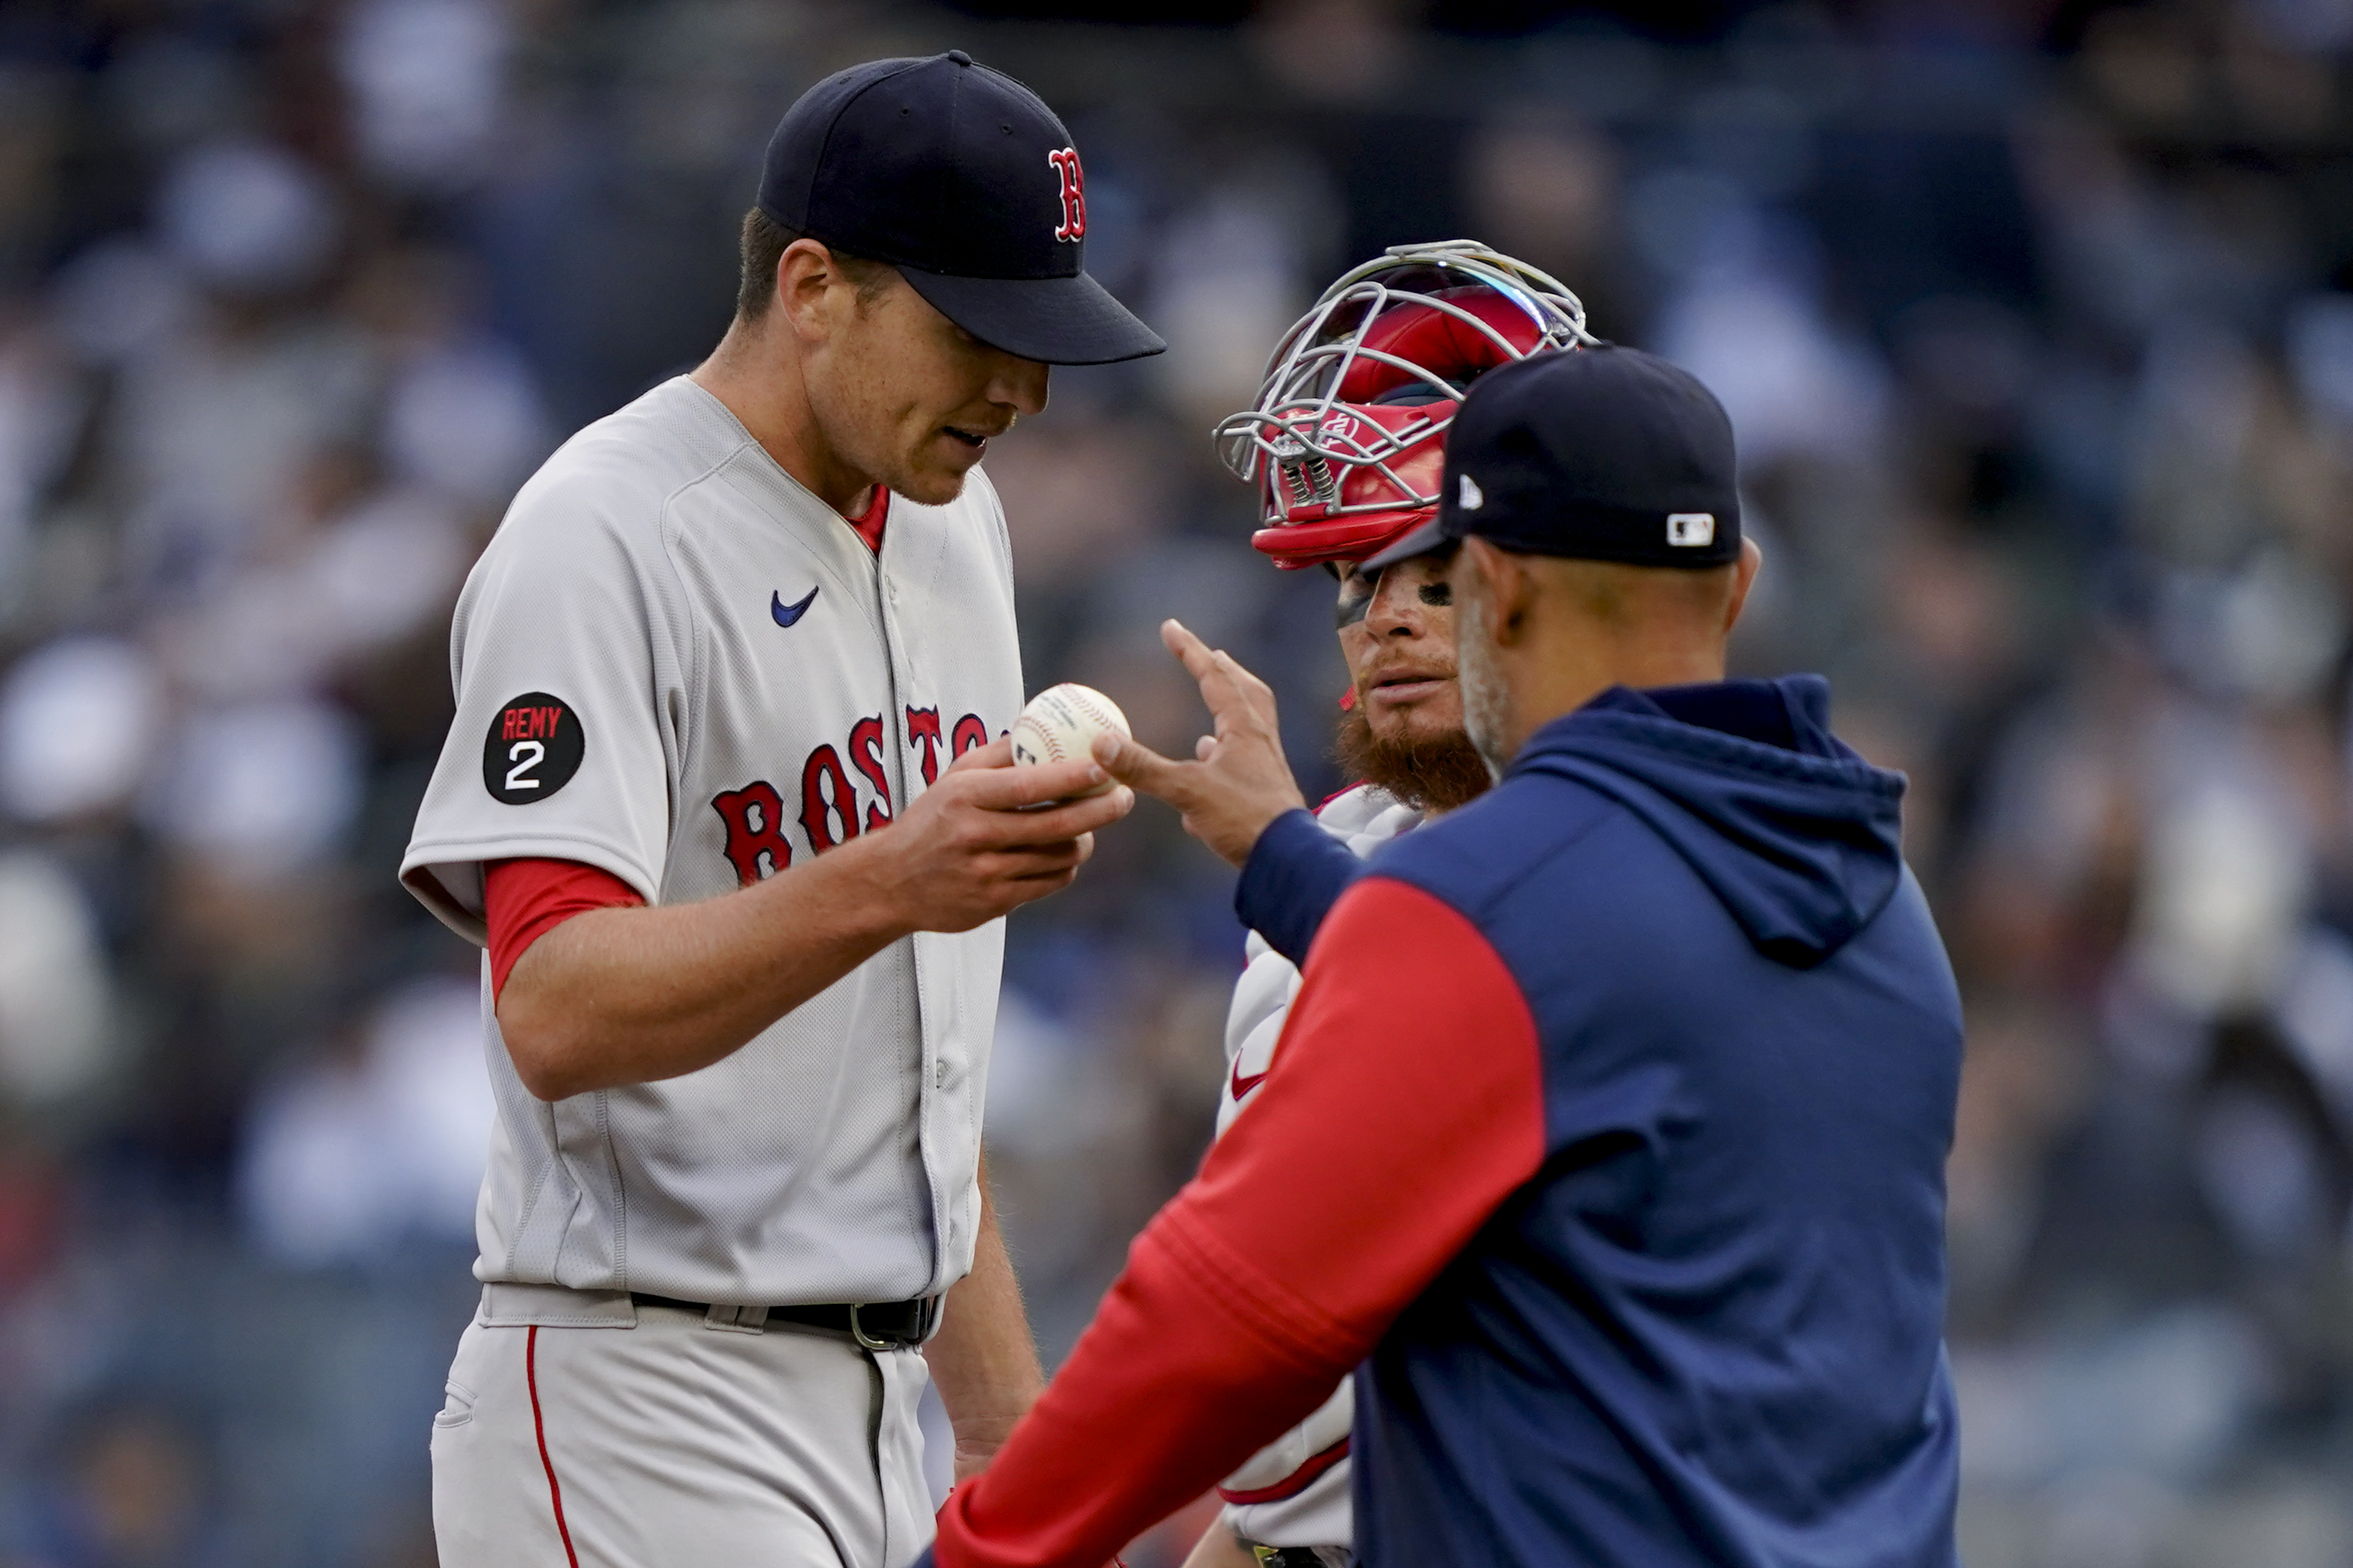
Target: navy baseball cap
963,179
1601,454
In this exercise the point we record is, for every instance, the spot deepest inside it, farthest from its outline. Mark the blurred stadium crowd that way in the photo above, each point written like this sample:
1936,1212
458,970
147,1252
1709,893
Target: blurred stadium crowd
2034,323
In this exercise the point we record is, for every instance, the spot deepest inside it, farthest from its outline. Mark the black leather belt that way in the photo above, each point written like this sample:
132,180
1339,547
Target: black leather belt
877,1325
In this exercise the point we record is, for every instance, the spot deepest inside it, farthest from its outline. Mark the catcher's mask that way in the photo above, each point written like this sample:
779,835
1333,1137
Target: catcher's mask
1347,437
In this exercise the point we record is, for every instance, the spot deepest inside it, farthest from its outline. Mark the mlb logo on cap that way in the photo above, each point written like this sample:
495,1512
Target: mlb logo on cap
1691,530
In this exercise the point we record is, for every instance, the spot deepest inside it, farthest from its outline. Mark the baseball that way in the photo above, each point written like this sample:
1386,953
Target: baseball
1059,725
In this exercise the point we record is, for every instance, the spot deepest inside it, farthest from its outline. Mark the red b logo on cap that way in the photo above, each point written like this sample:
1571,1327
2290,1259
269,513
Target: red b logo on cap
1073,226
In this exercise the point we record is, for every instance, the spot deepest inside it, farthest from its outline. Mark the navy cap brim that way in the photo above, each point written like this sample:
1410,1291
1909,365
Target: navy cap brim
1429,537
1054,320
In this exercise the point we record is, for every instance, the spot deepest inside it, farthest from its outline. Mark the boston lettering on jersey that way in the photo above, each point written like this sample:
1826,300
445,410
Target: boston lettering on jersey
757,844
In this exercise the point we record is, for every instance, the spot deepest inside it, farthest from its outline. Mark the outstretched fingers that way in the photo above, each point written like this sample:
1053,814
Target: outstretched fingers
1230,691
1191,651
1205,664
1140,766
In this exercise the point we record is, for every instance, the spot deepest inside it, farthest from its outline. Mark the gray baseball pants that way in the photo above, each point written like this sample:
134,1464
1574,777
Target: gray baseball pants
654,1437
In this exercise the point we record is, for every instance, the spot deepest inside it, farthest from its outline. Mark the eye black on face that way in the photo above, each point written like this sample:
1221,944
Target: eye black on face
1355,599
1437,594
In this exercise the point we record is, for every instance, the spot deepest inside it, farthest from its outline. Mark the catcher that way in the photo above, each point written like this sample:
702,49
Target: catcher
1346,443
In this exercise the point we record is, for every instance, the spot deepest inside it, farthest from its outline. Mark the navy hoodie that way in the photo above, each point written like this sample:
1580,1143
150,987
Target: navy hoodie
1605,1141
1718,1314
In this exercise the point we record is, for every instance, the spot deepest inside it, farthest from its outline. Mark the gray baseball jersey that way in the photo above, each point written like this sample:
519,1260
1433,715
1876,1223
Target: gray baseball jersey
675,664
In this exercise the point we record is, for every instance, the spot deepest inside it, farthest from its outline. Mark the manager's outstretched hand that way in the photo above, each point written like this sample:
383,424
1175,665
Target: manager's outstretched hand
1241,781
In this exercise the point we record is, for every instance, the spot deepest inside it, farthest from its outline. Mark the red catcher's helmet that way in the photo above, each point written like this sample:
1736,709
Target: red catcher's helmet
1347,440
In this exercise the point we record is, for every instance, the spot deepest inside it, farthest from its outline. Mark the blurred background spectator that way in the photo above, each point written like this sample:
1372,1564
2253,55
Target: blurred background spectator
2035,318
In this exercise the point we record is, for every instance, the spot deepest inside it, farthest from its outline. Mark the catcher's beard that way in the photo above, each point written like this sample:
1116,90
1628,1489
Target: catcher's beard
1434,775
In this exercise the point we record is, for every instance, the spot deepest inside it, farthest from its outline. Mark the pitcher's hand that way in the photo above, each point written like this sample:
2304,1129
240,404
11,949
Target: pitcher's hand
1241,780
990,837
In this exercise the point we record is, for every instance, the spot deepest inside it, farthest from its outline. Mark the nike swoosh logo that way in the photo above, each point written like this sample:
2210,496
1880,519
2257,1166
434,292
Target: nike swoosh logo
787,614
1242,1086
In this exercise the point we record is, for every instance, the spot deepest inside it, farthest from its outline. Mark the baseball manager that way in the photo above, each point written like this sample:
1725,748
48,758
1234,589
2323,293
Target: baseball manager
722,803
1606,1139
1359,394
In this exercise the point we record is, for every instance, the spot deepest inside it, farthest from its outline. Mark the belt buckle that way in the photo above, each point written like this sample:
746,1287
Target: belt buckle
861,1336
926,1314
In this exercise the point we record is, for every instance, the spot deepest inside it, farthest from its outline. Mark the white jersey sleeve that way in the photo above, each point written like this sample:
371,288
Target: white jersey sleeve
567,655
1294,1491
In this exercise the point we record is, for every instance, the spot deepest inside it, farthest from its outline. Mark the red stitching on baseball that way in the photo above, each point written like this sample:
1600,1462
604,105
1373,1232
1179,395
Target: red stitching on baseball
1047,740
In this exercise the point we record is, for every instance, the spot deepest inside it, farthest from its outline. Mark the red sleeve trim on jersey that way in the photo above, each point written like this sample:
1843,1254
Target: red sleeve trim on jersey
1405,1106
1291,1485
522,900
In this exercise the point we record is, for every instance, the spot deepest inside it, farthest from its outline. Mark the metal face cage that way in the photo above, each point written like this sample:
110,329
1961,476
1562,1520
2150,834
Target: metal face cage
1340,408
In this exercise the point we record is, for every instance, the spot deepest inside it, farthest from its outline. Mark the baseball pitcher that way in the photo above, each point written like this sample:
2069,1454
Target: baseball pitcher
724,802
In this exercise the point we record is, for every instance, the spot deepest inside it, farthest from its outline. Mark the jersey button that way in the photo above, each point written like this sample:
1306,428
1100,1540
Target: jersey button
940,1075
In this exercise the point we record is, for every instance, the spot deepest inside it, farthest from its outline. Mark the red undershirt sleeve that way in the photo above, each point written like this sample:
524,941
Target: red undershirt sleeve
522,900
1405,1105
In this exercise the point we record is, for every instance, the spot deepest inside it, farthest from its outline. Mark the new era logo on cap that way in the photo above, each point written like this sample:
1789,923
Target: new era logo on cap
1469,496
1691,530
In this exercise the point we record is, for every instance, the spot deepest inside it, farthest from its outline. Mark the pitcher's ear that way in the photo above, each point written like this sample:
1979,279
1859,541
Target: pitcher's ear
807,278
